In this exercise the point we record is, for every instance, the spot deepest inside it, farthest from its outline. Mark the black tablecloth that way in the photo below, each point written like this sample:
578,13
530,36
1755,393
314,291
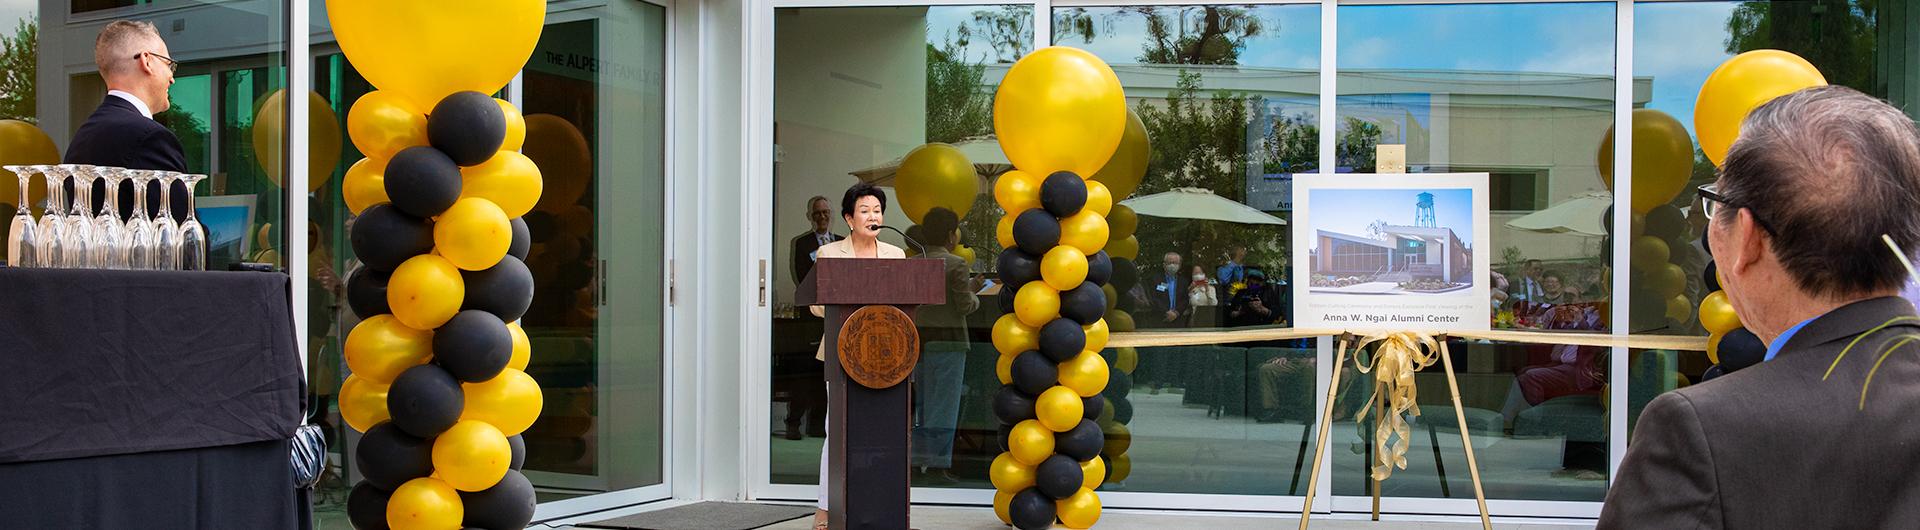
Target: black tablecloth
164,394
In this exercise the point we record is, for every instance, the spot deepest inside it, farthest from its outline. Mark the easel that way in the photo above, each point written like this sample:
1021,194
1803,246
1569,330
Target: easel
1326,425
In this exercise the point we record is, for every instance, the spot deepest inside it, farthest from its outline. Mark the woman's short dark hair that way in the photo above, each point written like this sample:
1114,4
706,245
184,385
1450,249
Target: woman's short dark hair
939,225
856,192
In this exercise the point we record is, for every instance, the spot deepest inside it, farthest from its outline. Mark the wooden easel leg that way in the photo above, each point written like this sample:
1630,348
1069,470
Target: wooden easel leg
1326,424
1466,442
1379,417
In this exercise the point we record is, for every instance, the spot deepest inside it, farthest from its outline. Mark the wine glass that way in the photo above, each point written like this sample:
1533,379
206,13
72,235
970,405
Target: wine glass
77,246
110,238
20,235
166,241
193,237
53,218
142,251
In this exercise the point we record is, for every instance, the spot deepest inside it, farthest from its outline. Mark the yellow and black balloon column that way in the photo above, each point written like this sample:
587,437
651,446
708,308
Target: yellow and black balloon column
1660,237
438,385
1059,114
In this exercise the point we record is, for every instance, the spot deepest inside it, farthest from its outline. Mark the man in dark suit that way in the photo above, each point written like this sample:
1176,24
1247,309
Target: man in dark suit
1799,440
809,399
1166,293
135,65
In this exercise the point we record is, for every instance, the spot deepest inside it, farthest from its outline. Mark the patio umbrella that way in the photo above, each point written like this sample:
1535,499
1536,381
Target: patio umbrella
1582,215
1196,203
983,151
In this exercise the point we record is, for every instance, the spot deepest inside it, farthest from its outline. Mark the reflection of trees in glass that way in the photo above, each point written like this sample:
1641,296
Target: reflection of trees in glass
192,132
1355,147
1290,144
1835,35
1175,35
1200,141
18,66
1009,30
957,105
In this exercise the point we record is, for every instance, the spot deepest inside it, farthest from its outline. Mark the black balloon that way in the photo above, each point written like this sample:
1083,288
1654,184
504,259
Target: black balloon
1008,295
1063,193
1606,221
1712,372
367,292
389,457
505,289
1058,476
508,504
522,239
1084,304
474,346
1122,410
1036,231
468,126
1082,442
519,446
540,225
425,400
1666,222
1001,435
1099,268
1740,349
383,237
1062,339
1017,268
1092,406
1710,277
1012,407
367,506
1031,510
422,181
1119,384
1124,275
1034,373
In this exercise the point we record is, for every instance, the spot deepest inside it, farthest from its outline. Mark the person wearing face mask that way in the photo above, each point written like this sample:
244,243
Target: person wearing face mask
1203,300
1257,305
864,209
1167,295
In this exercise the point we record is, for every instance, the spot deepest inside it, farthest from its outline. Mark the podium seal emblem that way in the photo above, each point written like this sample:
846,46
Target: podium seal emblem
878,346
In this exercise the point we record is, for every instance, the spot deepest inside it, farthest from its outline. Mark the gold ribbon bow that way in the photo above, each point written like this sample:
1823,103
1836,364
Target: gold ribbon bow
1397,357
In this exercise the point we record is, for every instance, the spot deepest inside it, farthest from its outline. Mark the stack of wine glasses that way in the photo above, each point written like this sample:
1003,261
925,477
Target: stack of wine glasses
71,234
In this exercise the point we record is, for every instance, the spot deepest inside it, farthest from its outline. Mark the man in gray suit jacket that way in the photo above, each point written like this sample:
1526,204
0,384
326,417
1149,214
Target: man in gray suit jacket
1826,432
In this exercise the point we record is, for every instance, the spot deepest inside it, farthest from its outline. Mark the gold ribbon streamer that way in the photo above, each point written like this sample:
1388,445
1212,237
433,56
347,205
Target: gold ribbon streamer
1397,357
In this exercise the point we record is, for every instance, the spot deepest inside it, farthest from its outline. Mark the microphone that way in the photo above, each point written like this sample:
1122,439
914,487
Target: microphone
903,235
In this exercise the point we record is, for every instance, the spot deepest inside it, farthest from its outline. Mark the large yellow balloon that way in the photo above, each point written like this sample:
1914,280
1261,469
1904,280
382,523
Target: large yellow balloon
936,175
427,50
1123,172
23,144
363,402
1009,474
1122,466
1662,159
472,455
1030,443
1713,346
1099,198
1036,304
382,123
1123,248
522,348
1003,232
425,503
1126,359
426,291
1016,191
1086,374
510,401
1119,321
1001,500
509,179
379,348
1121,222
964,252
473,234
1003,368
1097,334
365,184
1717,314
1086,231
1060,109
566,163
1063,268
516,126
270,137
1079,511
1093,471
1680,309
1737,86
1668,281
1059,409
1650,253
1012,337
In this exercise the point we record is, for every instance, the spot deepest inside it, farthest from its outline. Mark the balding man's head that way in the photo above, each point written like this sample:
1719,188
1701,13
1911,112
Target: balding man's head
132,57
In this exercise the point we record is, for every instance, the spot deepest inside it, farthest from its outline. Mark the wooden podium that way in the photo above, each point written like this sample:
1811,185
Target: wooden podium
871,347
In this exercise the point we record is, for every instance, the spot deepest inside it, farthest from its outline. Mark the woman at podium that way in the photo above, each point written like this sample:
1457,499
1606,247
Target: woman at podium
864,209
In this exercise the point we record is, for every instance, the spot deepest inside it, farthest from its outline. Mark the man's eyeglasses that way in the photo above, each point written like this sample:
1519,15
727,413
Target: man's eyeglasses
1713,202
172,65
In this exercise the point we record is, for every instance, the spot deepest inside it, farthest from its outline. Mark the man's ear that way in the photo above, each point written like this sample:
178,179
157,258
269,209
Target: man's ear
1749,241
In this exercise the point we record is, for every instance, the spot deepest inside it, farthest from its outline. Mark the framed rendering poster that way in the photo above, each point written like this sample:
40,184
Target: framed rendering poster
1391,251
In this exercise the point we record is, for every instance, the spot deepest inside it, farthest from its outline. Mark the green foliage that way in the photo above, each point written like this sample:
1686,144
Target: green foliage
19,60
957,105
1837,36
1175,35
1355,147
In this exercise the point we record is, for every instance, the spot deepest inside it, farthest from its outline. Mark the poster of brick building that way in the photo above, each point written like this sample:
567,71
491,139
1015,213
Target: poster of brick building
1391,251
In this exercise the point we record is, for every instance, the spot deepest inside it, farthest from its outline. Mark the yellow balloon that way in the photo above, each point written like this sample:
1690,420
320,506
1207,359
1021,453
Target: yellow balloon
23,144
1123,248
1713,346
509,179
1093,471
1099,199
1063,268
1086,374
1717,314
1662,159
1106,416
936,175
516,126
1123,172
1121,222
1003,232
381,123
425,503
510,401
1003,368
1118,440
1059,409
1016,191
1030,443
1126,359
379,348
365,184
363,402
1079,511
566,162
1097,334
1001,499
1740,84
964,252
1680,309
1086,231
1059,109
473,234
270,137
522,348
425,291
1012,337
1036,304
1119,321
1122,466
1113,297
1009,475
1650,253
1669,280
427,50
472,455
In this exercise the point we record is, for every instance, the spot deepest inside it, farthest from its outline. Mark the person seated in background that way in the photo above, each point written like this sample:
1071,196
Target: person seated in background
1166,294
1553,290
1203,300
1497,289
1257,305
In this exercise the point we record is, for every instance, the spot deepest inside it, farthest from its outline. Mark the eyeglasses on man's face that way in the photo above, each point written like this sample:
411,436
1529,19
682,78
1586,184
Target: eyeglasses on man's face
1713,202
172,65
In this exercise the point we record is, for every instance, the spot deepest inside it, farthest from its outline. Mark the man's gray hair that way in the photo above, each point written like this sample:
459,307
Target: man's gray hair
1829,170
120,42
